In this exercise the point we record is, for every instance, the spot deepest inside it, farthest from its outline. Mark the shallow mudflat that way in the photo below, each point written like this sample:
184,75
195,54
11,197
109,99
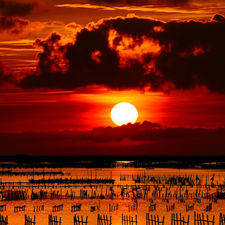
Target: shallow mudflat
125,197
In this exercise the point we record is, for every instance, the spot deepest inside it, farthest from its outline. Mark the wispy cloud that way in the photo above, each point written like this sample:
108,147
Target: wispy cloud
18,50
86,6
18,42
195,9
14,8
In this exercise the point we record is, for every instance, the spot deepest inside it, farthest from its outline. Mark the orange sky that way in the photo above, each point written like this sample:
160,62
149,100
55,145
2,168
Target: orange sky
18,55
68,110
65,64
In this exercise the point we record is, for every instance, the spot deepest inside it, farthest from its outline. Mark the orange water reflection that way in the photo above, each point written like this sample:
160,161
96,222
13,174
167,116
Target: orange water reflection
124,203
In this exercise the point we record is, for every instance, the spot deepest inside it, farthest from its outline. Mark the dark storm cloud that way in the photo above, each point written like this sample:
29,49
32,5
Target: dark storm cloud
134,52
82,70
13,25
132,139
13,8
5,78
142,2
193,55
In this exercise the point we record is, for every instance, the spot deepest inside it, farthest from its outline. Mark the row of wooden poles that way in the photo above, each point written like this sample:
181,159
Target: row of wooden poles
74,208
159,179
23,185
167,176
129,220
52,220
30,173
55,208
142,192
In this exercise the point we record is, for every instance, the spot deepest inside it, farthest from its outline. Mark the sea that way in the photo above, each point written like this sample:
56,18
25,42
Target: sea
133,192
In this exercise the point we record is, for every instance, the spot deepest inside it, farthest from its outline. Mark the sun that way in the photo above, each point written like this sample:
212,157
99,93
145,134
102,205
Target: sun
123,113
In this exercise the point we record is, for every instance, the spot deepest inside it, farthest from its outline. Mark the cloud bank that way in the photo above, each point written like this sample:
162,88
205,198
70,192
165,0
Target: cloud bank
133,139
14,8
133,52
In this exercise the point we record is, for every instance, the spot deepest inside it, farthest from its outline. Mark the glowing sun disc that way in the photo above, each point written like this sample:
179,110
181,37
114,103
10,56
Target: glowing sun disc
123,113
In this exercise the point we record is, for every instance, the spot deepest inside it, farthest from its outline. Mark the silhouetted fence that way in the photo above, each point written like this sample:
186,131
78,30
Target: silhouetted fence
178,219
198,200
128,220
170,207
113,207
158,190
3,220
57,208
13,195
2,208
72,181
97,207
190,207
31,173
181,199
76,208
83,193
38,208
52,220
28,220
222,219
165,200
103,220
200,220
19,208
153,219
79,221
71,195
55,194
132,207
208,207
152,207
